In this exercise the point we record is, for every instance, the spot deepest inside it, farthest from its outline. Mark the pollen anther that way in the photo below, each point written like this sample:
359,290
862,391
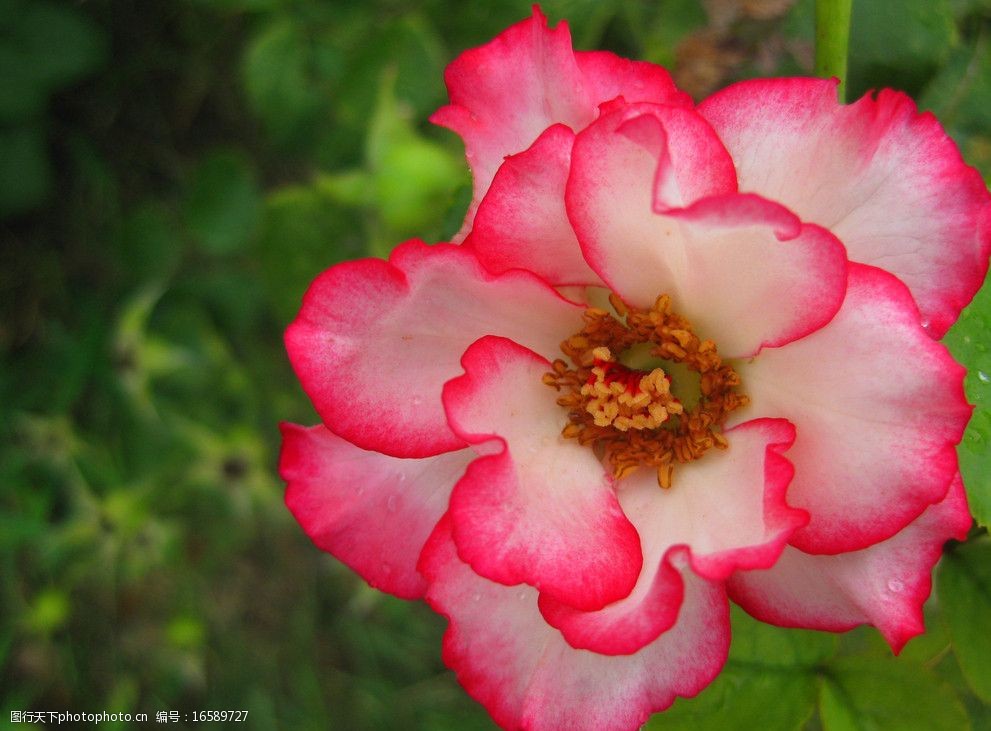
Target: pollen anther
630,415
626,399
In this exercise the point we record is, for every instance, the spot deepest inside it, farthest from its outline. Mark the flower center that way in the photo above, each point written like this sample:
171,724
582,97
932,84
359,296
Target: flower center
630,416
626,399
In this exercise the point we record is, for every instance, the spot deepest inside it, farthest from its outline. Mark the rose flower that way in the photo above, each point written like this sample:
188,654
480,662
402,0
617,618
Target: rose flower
678,355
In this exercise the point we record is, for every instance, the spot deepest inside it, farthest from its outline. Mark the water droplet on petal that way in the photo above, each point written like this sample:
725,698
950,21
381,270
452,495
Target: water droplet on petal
521,596
401,477
925,324
477,597
417,400
894,585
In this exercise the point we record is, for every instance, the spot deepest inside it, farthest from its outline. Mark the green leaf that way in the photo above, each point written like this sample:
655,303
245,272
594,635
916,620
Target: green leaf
835,712
660,34
22,96
456,208
49,611
408,46
898,44
413,177
757,643
390,123
744,698
860,694
968,341
224,204
963,8
960,95
927,648
25,173
62,43
415,186
588,18
408,181
147,245
964,585
43,47
277,77
237,6
185,631
349,188
769,682
303,233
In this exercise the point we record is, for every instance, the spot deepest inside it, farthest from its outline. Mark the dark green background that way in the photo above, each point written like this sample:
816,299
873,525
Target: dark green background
172,176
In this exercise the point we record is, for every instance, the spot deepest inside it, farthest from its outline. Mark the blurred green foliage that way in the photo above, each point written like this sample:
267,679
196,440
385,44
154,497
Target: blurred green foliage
172,176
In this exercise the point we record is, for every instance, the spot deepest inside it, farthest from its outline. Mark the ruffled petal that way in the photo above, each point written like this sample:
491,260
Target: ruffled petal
878,406
648,199
607,76
522,224
885,179
884,585
375,341
535,508
372,512
505,93
628,625
640,157
528,677
728,507
727,512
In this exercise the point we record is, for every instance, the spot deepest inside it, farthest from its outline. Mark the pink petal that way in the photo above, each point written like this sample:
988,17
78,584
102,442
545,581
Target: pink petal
607,76
535,508
878,406
728,509
505,93
528,677
885,179
884,585
651,199
522,224
729,506
375,341
372,512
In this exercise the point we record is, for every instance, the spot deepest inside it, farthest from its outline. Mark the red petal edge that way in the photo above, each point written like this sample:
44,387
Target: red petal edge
535,508
528,677
885,585
375,341
371,511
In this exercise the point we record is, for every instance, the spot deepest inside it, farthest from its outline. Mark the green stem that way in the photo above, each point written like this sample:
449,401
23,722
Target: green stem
832,40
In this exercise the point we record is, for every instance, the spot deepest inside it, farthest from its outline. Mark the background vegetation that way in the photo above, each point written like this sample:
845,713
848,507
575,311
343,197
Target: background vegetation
172,176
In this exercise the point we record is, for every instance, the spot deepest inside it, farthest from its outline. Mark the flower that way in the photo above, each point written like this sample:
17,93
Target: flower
679,354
